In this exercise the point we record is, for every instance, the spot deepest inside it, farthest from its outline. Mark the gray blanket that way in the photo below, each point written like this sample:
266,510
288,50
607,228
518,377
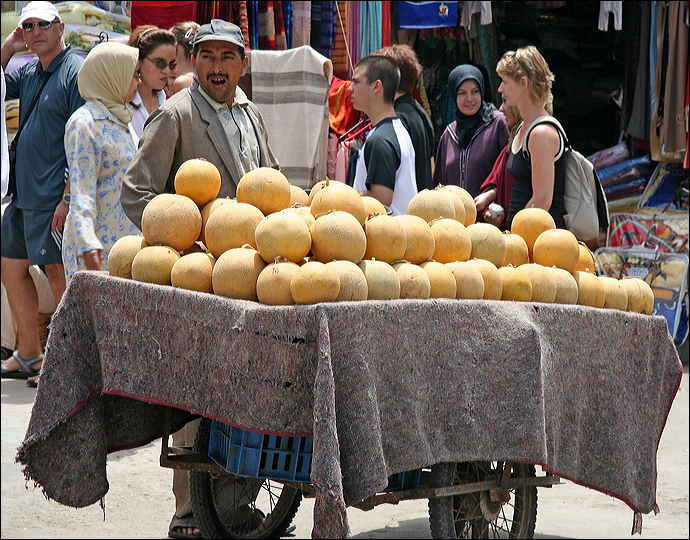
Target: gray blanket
383,386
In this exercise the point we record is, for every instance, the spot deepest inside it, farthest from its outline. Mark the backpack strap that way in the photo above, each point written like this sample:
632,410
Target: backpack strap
545,119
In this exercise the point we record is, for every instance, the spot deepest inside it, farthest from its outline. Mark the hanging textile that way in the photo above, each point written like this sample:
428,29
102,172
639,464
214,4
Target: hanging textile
243,21
385,24
162,14
329,21
370,27
427,14
288,8
341,114
290,88
638,125
301,29
355,42
470,8
667,137
316,25
607,8
267,27
254,24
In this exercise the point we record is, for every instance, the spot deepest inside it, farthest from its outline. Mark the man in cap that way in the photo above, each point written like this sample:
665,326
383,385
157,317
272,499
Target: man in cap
33,222
213,120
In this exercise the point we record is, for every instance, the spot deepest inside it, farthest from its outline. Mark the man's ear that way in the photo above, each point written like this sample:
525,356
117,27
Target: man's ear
245,65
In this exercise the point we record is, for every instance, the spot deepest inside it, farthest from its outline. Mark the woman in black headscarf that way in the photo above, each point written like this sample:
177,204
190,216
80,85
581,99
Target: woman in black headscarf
470,145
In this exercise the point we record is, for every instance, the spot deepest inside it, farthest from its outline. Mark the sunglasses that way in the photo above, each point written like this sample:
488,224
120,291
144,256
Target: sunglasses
28,26
162,64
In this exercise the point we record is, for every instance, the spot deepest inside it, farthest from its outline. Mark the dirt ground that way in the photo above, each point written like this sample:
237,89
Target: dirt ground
140,503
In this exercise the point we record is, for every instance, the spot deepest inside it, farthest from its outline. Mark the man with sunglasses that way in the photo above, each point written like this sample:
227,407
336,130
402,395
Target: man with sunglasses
213,120
33,222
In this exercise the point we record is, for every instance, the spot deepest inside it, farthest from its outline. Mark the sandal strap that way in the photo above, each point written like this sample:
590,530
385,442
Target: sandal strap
25,364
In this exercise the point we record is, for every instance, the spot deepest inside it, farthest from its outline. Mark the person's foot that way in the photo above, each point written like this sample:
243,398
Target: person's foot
32,382
5,354
184,528
18,367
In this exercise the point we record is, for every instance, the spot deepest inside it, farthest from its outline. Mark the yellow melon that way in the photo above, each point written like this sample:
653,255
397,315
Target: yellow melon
382,280
236,272
458,203
530,223
441,279
647,297
517,253
386,238
171,220
452,242
585,260
283,234
639,298
467,200
353,283
373,206
590,289
199,180
544,286
493,287
414,281
298,195
314,282
556,247
338,196
232,226
566,286
469,282
193,272
338,236
122,254
266,188
154,264
616,296
303,212
431,204
488,242
206,211
316,188
517,285
273,283
420,240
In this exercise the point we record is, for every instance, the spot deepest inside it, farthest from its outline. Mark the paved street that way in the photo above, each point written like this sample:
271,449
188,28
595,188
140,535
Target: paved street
140,504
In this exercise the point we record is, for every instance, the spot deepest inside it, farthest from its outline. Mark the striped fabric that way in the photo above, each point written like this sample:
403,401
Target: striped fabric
288,8
301,29
281,39
329,21
290,88
370,27
267,29
243,22
253,24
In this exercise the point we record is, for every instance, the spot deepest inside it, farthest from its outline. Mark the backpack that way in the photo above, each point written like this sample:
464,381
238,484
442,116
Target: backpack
585,203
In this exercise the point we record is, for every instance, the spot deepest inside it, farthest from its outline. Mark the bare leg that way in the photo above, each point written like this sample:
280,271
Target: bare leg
23,300
57,280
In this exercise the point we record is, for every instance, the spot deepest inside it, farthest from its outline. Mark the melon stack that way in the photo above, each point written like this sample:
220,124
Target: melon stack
278,245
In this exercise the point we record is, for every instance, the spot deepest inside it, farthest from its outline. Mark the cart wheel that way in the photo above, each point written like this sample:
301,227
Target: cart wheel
483,514
276,502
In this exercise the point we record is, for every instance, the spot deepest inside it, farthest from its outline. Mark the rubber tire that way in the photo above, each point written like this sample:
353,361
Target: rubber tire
441,510
279,515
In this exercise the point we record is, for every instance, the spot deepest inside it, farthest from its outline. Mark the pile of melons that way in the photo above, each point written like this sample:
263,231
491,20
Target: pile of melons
278,245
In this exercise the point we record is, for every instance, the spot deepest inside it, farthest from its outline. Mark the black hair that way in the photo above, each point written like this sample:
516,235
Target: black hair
384,69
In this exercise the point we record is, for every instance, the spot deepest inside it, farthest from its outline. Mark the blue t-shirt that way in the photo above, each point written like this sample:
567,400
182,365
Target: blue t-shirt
41,164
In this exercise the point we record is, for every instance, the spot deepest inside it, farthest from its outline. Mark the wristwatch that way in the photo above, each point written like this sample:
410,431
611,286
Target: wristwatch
66,197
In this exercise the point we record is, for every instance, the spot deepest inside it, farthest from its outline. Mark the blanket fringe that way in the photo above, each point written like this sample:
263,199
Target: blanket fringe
656,509
637,524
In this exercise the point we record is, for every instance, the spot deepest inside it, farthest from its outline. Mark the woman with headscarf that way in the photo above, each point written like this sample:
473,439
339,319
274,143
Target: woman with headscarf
469,146
100,144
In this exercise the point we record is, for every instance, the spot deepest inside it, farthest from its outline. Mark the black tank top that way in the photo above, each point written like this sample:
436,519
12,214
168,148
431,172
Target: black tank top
521,170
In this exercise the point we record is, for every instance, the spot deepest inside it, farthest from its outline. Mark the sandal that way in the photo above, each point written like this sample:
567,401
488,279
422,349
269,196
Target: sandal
25,370
32,382
183,523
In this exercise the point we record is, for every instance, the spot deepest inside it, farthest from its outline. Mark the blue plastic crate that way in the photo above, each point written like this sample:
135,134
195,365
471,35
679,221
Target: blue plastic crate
255,455
404,480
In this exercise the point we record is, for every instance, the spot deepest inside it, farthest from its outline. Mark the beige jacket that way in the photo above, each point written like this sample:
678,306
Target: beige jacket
186,127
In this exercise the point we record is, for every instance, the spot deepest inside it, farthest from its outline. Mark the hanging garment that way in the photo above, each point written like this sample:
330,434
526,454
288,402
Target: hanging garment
267,27
254,24
243,21
329,20
301,28
613,8
417,15
641,114
290,88
162,14
470,8
281,38
288,9
370,27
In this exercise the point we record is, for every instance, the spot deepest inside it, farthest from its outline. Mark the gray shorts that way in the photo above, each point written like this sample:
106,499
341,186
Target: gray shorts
26,234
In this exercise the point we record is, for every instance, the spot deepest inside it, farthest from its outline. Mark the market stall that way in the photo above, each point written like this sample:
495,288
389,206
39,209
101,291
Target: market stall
383,387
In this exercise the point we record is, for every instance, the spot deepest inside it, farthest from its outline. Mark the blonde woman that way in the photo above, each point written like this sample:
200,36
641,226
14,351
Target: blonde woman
100,145
538,174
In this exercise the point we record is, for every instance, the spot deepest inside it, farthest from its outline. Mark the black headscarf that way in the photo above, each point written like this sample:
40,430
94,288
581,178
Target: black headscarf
467,125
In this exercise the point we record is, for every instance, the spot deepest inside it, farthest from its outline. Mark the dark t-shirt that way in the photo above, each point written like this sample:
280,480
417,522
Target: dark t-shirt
421,130
41,162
